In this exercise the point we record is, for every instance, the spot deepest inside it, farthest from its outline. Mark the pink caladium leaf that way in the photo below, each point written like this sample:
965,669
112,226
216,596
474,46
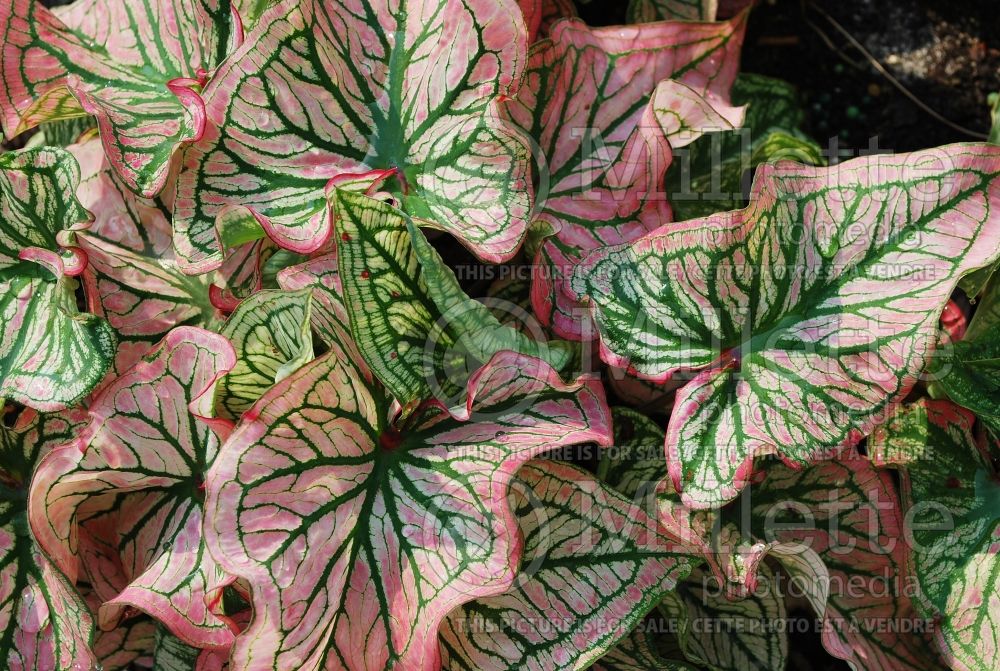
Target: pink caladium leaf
808,314
358,536
594,561
414,325
51,355
596,103
641,651
127,646
414,96
123,502
849,514
951,496
44,623
137,70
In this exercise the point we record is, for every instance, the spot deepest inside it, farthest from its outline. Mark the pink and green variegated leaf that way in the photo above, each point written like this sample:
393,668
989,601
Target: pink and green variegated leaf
951,498
123,502
968,371
141,225
810,313
142,297
136,69
44,623
51,355
640,651
849,514
644,11
594,562
272,335
127,646
595,102
415,326
415,94
358,537
747,634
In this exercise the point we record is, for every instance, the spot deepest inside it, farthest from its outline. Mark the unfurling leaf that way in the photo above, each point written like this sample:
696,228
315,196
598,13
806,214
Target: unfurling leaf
357,536
809,314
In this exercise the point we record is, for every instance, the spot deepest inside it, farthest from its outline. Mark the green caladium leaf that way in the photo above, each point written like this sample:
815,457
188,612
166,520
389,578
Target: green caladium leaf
969,372
414,325
746,634
594,561
357,537
123,503
603,107
137,72
639,652
644,11
51,356
298,106
272,335
44,623
987,315
782,306
708,175
951,496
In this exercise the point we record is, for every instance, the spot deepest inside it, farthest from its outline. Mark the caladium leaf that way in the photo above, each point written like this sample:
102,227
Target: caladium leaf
594,562
969,372
987,315
643,11
639,652
272,335
127,646
357,538
849,514
414,325
725,635
142,297
298,105
595,102
44,623
783,305
709,175
123,502
951,495
137,72
51,356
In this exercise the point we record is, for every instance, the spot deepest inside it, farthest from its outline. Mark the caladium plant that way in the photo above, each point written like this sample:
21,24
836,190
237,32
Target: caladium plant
278,393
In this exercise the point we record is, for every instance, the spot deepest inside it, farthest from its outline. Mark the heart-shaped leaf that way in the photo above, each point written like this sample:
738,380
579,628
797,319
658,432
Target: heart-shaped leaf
416,328
272,336
123,502
44,623
810,313
137,70
594,561
951,497
357,538
413,92
596,104
51,356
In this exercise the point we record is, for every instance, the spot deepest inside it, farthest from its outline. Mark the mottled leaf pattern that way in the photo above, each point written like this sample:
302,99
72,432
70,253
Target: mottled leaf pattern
44,623
51,356
969,372
951,497
323,90
594,562
643,11
271,332
809,313
358,538
135,68
595,102
123,503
